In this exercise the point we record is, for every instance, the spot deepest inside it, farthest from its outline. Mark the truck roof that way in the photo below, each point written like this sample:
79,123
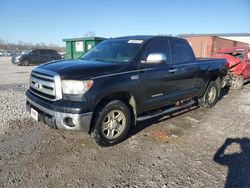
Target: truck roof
144,37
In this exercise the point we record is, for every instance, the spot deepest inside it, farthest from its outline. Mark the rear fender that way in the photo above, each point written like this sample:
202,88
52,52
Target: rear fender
215,72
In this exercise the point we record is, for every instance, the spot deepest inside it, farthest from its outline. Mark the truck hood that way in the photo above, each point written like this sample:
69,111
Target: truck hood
231,60
81,69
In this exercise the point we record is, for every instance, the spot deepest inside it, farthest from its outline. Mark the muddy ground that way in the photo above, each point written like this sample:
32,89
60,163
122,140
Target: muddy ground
172,151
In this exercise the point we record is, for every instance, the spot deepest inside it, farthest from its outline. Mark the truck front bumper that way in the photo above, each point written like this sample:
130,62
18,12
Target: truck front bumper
61,120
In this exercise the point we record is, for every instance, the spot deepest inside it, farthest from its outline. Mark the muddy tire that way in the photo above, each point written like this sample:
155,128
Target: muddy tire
112,123
238,82
210,97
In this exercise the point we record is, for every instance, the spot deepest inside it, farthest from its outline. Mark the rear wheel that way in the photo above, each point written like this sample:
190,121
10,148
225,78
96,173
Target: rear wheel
112,123
210,97
238,82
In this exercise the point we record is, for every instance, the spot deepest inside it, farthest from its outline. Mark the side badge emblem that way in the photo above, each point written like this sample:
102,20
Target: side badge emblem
135,77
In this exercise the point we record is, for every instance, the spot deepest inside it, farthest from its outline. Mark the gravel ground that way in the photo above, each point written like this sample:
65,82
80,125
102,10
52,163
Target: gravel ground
185,149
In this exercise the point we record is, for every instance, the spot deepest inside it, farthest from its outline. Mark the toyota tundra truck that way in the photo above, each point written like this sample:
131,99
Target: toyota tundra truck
122,81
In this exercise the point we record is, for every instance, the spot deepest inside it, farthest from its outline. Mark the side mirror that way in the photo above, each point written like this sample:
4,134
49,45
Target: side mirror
155,58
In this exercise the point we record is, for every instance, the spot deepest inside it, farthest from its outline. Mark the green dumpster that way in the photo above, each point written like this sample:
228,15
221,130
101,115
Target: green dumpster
75,47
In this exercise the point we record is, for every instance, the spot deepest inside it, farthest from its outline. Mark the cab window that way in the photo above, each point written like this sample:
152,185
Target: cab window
159,46
45,52
36,52
180,51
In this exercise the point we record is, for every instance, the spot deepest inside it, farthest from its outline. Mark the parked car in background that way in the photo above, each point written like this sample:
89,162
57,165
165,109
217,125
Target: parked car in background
36,56
121,81
1,52
238,64
63,54
6,53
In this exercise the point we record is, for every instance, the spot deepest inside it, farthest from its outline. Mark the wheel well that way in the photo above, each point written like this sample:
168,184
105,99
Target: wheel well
217,80
125,97
24,60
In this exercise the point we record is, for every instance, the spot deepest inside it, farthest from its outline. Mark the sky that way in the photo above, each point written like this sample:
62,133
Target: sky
50,21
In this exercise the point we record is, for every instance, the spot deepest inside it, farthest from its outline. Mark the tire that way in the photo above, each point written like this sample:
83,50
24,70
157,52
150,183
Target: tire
210,97
112,123
25,62
19,64
238,82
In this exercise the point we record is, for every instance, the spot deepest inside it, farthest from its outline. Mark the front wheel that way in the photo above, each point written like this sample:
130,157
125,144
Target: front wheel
25,62
210,97
112,123
238,82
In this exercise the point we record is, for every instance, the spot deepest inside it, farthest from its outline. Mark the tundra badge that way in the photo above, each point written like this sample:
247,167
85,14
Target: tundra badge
135,77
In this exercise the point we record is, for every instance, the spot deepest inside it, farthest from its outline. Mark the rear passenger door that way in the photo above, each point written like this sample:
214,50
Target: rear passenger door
186,69
45,56
157,80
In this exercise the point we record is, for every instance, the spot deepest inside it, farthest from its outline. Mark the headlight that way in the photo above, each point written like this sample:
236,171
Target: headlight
17,57
76,87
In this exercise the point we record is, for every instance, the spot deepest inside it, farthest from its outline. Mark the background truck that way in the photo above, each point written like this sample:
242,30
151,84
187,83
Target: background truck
238,64
122,81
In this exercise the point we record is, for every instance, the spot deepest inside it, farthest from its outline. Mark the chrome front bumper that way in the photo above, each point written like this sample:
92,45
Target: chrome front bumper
58,119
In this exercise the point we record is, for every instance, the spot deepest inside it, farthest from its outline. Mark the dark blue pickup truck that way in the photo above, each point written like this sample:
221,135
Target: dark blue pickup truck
122,81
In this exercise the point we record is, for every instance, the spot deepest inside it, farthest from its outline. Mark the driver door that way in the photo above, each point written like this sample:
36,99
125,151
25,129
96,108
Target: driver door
34,56
156,78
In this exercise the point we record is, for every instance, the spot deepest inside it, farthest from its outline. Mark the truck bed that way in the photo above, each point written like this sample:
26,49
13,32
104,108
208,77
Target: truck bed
211,60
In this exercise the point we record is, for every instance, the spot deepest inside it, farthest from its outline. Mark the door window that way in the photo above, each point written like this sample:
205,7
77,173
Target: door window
180,51
44,52
36,52
160,46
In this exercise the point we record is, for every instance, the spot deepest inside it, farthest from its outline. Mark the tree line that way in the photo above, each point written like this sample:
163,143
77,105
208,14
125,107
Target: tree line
28,46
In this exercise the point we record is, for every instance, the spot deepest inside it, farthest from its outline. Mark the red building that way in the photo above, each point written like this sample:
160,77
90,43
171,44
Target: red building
207,45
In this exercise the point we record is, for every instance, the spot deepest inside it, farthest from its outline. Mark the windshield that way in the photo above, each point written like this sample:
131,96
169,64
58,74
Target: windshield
114,50
27,52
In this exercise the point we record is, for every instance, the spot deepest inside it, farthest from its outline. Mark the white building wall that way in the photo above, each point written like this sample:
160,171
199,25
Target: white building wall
245,39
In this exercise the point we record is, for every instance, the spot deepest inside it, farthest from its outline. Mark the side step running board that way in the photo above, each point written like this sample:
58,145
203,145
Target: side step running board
172,109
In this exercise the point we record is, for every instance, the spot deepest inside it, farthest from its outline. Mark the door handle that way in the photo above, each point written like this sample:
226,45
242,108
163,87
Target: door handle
172,70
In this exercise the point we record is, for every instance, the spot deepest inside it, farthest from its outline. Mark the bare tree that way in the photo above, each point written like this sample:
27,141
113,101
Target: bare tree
89,34
28,46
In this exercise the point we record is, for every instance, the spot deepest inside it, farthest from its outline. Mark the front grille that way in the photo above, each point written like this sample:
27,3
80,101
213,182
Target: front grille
45,84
